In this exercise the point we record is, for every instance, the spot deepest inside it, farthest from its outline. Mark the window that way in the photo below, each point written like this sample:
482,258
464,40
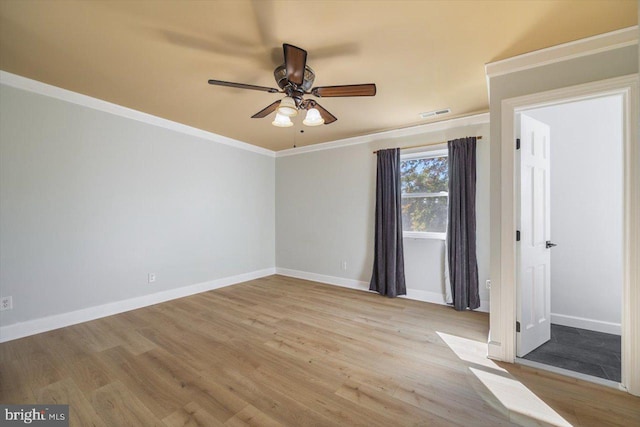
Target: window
425,196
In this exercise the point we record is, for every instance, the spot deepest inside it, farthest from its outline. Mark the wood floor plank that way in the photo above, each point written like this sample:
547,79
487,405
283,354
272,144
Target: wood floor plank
88,372
116,405
445,400
81,413
15,387
280,405
191,415
42,371
202,386
377,403
128,337
280,351
251,416
95,335
153,387
322,398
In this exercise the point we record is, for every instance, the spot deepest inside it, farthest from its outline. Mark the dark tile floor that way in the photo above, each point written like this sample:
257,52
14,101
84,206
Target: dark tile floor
579,350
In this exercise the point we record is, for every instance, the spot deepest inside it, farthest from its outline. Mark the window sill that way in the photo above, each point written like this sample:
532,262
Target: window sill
423,235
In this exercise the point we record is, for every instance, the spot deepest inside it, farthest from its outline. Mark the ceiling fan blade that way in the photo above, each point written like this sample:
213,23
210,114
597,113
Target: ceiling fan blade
295,59
327,116
266,111
243,86
368,89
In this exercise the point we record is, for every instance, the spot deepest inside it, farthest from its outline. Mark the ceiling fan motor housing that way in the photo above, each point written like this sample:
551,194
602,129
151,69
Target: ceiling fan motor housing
280,74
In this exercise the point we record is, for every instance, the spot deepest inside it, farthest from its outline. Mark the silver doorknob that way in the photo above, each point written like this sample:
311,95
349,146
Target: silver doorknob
550,244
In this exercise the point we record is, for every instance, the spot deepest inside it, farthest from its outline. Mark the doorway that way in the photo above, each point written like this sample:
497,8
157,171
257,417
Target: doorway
502,343
569,215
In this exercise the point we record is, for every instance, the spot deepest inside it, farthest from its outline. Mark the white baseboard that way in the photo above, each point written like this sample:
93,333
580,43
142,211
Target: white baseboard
583,323
322,278
426,296
413,294
438,298
49,323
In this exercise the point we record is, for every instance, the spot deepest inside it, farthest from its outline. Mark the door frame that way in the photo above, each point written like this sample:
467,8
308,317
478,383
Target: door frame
505,307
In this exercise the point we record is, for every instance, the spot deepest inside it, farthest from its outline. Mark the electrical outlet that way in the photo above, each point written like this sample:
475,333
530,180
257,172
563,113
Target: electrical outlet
152,277
343,265
6,303
488,284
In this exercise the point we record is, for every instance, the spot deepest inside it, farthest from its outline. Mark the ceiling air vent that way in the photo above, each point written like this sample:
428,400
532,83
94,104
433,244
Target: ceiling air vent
435,113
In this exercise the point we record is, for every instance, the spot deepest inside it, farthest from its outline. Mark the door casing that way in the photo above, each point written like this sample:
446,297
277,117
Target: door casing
503,307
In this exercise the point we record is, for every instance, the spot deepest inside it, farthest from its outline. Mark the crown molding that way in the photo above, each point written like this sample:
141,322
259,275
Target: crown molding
476,119
51,91
40,88
562,52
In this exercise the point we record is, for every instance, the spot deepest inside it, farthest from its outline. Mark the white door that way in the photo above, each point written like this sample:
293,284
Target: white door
533,249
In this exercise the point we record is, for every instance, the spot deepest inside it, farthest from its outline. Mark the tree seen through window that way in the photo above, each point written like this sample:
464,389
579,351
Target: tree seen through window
425,195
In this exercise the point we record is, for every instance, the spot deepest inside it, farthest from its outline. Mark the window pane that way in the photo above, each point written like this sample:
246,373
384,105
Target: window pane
424,175
425,214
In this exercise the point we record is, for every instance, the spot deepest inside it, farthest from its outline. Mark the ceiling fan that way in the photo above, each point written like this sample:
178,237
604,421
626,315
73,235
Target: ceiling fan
295,79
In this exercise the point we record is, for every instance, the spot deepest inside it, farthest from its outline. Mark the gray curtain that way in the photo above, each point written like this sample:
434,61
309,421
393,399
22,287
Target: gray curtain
461,230
388,263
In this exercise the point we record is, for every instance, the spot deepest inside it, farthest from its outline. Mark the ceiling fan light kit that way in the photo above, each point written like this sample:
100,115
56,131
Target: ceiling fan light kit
288,107
313,118
282,121
295,79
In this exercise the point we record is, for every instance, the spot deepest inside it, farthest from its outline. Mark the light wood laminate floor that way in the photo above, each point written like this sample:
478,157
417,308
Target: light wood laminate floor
283,351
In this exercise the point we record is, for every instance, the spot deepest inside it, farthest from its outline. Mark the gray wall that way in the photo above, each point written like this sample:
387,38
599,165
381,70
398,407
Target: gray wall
325,213
609,64
91,202
586,210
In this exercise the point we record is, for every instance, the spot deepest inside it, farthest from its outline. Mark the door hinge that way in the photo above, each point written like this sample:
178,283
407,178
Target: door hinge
517,235
517,143
517,326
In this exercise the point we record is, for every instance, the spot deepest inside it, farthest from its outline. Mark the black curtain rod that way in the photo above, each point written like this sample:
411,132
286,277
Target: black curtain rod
426,145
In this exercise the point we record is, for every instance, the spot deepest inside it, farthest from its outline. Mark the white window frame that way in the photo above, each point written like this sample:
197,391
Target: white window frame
425,155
